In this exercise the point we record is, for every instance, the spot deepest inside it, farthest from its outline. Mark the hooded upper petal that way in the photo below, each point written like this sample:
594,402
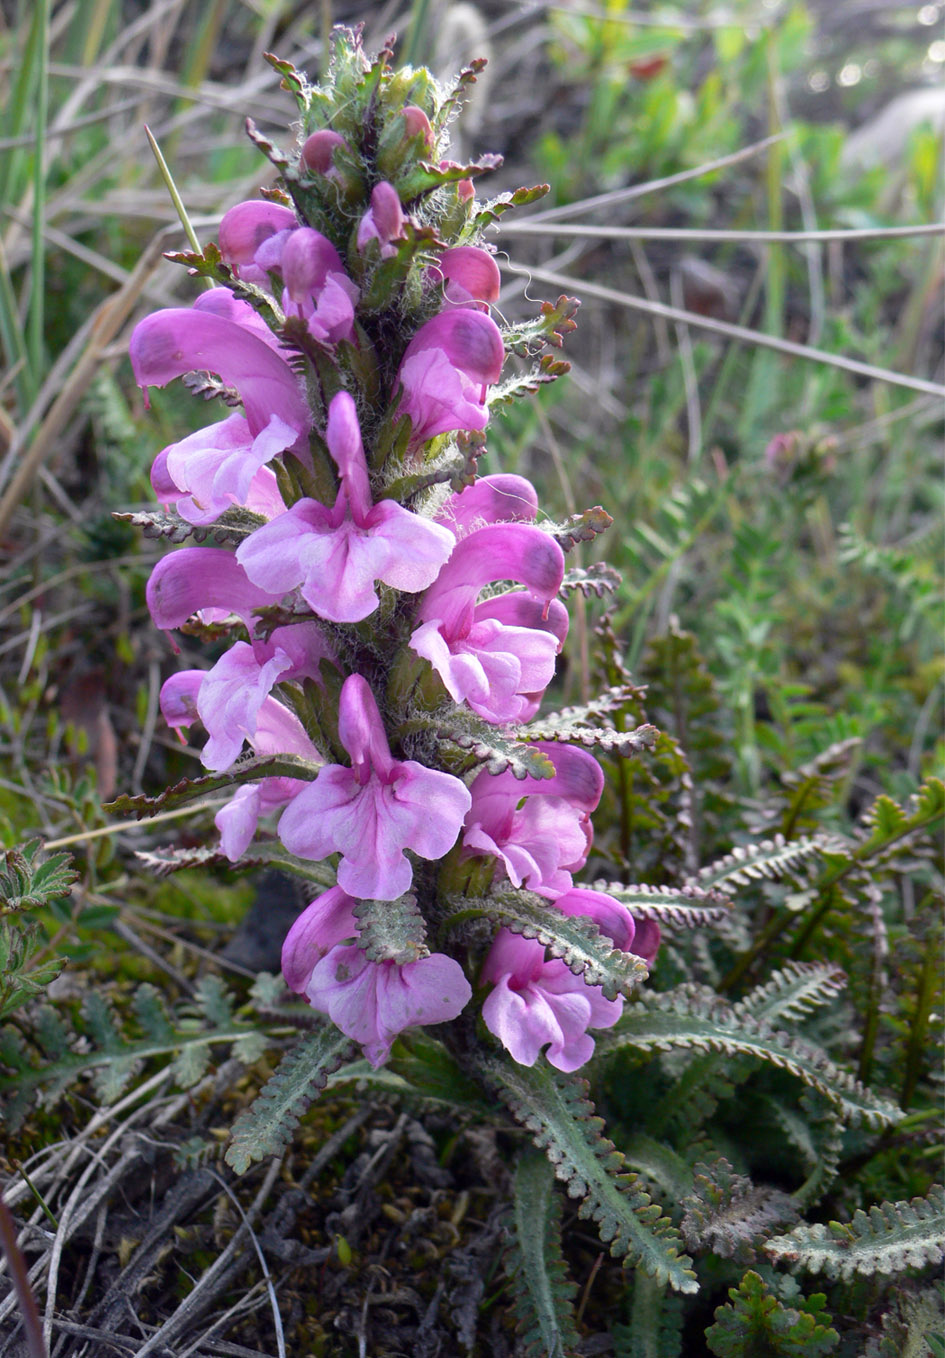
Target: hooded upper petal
180,340
203,580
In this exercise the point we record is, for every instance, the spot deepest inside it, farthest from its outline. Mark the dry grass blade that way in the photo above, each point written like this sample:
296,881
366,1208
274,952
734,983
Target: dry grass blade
700,236
109,318
730,331
627,195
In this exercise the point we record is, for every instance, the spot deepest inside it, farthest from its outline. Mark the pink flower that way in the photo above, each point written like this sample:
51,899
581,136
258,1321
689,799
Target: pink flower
369,1001
318,152
278,731
207,581
247,226
445,371
316,286
335,556
500,498
536,1001
383,221
222,465
538,828
233,691
374,810
614,920
499,654
180,340
470,276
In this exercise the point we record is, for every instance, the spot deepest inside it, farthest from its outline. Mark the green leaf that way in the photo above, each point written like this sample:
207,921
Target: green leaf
579,527
29,882
479,743
686,906
597,579
265,853
889,1238
268,1125
243,771
542,1292
890,824
757,1322
554,321
231,527
728,1214
684,1018
426,1069
555,1109
19,981
492,210
623,743
392,931
792,993
768,858
547,369
576,940
816,784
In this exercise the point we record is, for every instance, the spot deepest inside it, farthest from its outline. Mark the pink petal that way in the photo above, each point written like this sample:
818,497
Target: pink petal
470,340
417,547
176,341
323,924
245,227
612,918
231,695
491,499
307,259
197,578
503,551
361,730
178,699
318,151
438,397
473,271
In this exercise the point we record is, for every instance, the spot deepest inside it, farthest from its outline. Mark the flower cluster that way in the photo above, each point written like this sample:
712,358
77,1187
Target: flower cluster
384,607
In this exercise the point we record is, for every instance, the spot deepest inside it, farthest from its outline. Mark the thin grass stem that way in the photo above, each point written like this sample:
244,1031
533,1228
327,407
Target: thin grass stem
696,236
627,195
35,344
738,332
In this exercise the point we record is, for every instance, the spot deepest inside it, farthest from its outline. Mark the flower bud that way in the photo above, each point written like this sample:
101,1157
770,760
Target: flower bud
243,230
318,152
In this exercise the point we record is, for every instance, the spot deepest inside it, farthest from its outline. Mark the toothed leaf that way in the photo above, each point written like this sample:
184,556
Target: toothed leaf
542,1292
392,931
889,1238
268,1125
555,1109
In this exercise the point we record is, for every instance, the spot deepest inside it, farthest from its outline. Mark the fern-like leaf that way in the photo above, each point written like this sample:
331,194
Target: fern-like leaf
468,743
243,771
267,1126
392,931
604,738
889,1238
758,1322
684,1018
687,907
770,858
164,861
579,527
556,1110
232,527
575,939
597,579
795,991
542,1292
29,881
727,1213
